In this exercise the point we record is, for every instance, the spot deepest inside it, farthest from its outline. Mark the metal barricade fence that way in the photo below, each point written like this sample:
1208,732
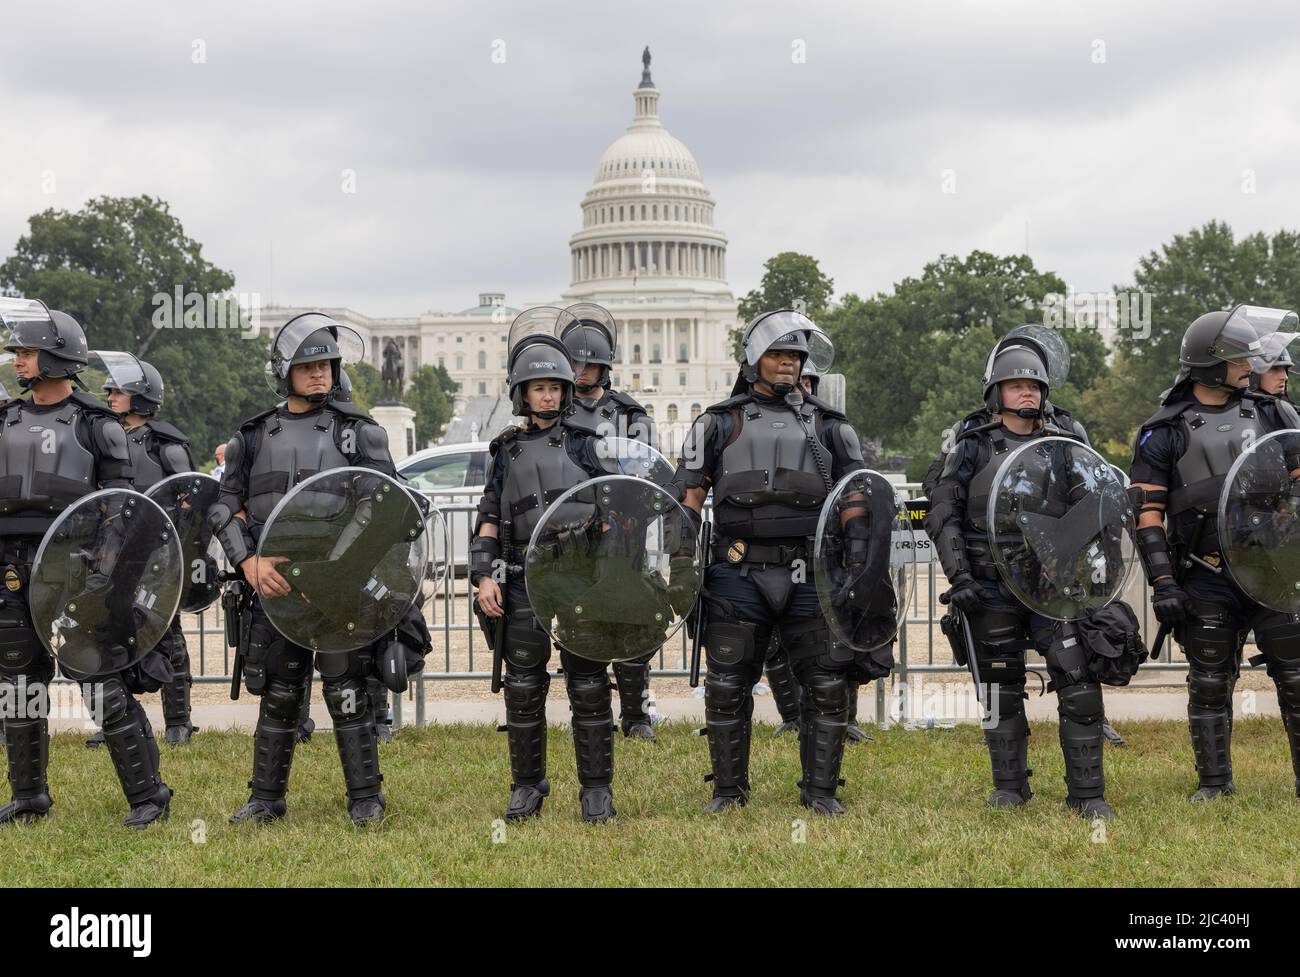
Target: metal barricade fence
464,655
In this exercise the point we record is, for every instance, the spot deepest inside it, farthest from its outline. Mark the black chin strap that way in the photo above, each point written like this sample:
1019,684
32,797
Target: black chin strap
1028,413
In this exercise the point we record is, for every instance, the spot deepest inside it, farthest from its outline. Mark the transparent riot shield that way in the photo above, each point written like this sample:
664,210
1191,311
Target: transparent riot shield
352,547
1259,521
106,582
1061,528
863,561
626,456
613,568
186,498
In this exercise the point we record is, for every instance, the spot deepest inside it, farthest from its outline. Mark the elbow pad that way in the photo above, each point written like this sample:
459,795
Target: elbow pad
232,533
1153,545
484,552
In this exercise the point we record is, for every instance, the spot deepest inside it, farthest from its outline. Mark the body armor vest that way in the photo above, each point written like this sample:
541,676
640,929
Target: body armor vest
769,485
147,469
539,472
290,448
1214,439
996,445
44,466
600,418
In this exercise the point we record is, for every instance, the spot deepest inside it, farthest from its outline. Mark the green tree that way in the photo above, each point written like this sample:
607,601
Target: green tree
430,396
367,385
116,266
790,280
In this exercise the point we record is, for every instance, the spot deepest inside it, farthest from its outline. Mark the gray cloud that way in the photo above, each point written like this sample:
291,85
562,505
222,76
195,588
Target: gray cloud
469,173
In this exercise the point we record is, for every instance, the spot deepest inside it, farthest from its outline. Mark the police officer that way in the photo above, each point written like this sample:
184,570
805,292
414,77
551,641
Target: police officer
530,467
308,432
1277,365
588,332
89,451
158,450
1180,459
771,457
1016,388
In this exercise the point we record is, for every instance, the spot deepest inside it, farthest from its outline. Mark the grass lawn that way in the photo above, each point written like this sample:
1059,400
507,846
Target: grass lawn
915,800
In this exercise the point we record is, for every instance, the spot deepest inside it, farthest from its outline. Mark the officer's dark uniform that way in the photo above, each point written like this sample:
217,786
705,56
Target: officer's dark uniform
1188,447
272,452
771,462
529,469
89,452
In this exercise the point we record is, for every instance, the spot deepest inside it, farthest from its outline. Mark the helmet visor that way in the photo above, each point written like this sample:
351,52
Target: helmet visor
291,335
123,369
543,320
1241,338
28,324
591,316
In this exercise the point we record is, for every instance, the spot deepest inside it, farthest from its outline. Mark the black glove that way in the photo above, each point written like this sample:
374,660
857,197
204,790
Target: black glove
1169,601
965,594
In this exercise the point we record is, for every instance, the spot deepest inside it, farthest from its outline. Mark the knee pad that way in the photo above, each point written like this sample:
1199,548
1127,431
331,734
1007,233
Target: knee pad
1288,686
1080,703
334,666
1208,637
1000,646
283,701
1280,643
589,695
527,643
730,643
826,692
724,693
525,693
112,699
18,644
1209,689
347,699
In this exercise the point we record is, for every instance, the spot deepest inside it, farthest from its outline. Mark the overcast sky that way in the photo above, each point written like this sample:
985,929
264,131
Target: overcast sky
469,173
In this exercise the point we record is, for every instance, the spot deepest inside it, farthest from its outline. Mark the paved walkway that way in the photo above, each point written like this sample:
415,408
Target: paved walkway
942,699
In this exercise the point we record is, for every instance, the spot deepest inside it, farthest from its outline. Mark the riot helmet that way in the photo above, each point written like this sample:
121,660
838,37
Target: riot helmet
588,332
57,336
1276,353
782,329
344,392
1017,359
812,375
1216,339
132,376
534,351
309,338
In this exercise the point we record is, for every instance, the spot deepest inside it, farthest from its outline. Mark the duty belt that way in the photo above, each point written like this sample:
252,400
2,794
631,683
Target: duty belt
737,551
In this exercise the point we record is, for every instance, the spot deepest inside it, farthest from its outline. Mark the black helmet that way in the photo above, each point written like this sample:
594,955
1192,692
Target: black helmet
535,352
813,374
588,332
59,338
1276,352
344,392
309,338
782,329
1216,339
134,377
1016,360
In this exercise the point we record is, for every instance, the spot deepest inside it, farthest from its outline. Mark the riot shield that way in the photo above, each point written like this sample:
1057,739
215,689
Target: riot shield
351,544
630,457
1259,521
1052,344
186,498
862,561
437,530
106,582
613,568
1061,528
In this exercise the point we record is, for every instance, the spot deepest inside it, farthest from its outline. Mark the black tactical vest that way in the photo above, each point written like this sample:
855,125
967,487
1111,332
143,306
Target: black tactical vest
290,448
44,466
768,484
1214,439
146,468
600,418
539,471
994,447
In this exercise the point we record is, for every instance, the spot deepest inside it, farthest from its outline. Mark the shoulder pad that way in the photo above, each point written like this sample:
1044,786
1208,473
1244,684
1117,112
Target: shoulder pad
167,432
723,406
575,420
824,407
1166,414
507,435
91,405
257,419
623,400
350,410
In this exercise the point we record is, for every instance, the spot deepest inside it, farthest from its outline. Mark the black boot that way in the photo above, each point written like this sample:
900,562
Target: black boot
1209,719
728,708
176,693
855,733
593,742
273,743
633,679
95,740
130,741
824,727
1008,744
27,744
525,698
354,732
1079,708
1288,696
